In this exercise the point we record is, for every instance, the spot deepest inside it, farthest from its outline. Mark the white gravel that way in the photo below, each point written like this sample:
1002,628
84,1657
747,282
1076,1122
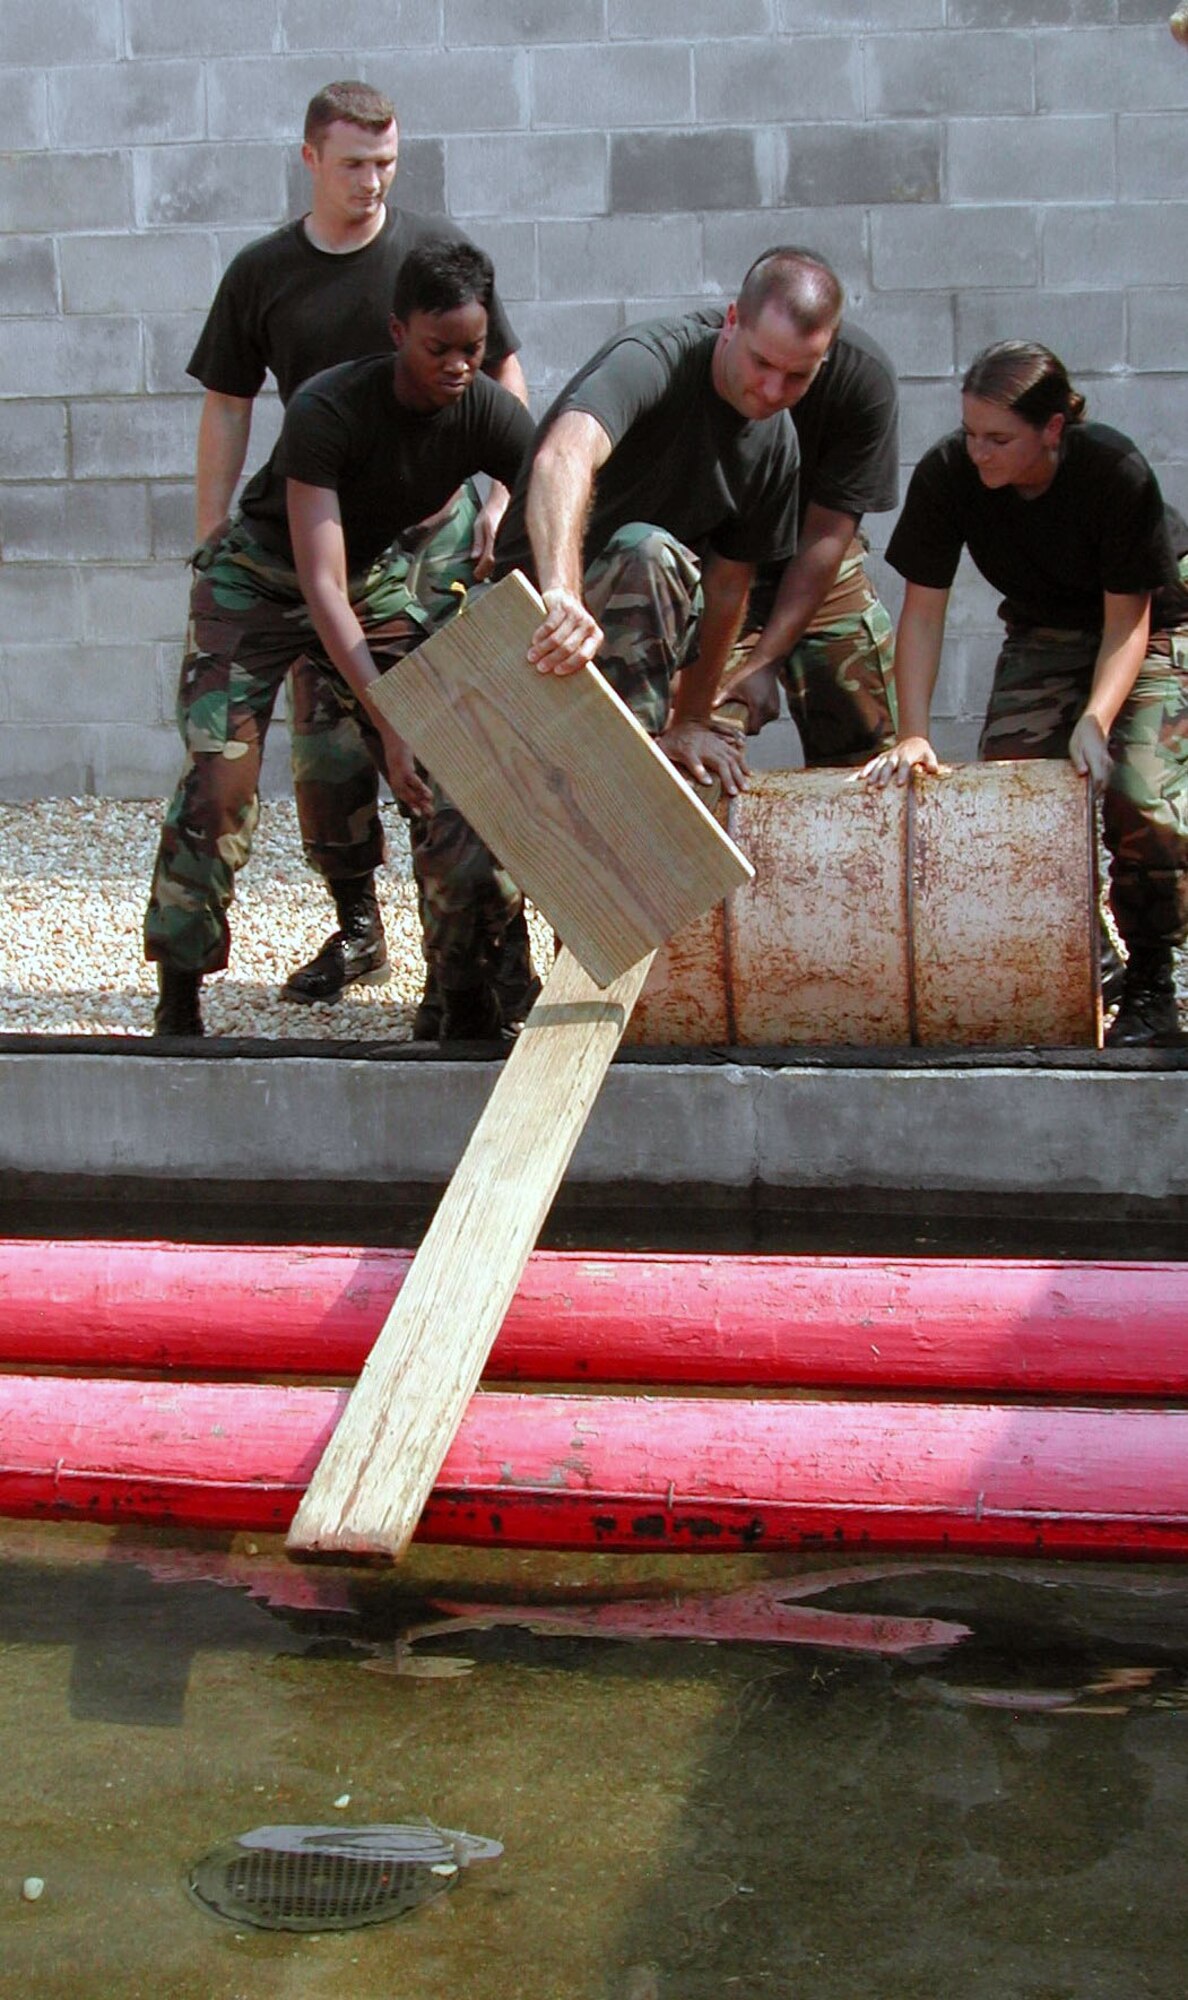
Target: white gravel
74,878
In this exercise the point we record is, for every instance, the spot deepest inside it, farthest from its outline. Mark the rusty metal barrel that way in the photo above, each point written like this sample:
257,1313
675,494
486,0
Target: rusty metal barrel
954,911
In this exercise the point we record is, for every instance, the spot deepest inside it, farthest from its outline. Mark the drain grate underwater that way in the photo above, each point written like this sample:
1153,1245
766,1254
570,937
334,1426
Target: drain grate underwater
333,1878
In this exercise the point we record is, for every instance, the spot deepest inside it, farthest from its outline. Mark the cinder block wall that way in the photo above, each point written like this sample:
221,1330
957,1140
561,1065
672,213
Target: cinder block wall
975,168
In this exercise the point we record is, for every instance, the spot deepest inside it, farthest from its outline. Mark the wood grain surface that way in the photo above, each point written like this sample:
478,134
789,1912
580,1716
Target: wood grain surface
586,814
377,1472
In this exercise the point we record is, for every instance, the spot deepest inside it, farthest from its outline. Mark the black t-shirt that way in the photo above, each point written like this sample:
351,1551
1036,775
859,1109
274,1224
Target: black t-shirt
683,459
1101,525
285,305
390,466
847,425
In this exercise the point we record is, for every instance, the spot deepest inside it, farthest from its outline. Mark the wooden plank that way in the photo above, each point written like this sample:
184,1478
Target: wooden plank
589,818
690,1475
1000,1324
379,1468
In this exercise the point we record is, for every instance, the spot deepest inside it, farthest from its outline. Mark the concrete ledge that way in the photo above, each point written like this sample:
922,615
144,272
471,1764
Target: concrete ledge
998,1128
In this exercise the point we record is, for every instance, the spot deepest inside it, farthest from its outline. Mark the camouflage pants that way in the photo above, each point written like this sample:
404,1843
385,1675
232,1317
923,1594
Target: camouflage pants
839,677
644,588
464,898
1041,683
335,780
248,624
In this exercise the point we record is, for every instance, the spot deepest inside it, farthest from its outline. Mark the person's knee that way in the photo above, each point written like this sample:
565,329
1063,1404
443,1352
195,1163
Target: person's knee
648,562
218,806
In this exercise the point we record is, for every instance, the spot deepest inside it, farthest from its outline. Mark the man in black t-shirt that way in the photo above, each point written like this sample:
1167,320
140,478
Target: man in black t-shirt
663,477
826,635
316,292
308,569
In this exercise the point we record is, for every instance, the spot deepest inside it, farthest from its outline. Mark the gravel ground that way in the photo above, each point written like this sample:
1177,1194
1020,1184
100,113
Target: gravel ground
74,876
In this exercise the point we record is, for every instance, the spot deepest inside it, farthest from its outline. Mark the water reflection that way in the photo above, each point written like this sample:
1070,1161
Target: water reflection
1002,1818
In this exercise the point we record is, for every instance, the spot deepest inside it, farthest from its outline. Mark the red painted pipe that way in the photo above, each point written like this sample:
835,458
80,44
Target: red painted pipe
997,1324
617,1473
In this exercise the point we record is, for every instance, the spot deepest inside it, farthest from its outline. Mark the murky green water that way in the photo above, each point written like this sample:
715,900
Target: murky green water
1002,1819
1006,1819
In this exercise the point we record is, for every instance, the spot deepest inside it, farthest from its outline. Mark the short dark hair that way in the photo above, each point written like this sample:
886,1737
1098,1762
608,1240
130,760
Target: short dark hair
1026,378
355,103
799,282
441,274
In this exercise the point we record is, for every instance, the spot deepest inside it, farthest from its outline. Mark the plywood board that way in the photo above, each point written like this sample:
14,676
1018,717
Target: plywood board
586,814
378,1470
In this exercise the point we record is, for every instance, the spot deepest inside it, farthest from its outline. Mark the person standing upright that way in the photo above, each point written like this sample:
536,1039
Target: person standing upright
314,293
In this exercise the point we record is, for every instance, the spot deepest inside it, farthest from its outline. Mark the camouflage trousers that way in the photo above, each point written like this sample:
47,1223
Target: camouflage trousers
1041,683
465,899
644,588
839,677
248,625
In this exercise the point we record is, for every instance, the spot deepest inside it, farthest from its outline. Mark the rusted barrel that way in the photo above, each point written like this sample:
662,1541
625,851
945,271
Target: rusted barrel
959,910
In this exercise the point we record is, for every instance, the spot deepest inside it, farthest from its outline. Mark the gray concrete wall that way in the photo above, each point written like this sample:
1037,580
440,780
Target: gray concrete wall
974,168
1059,1135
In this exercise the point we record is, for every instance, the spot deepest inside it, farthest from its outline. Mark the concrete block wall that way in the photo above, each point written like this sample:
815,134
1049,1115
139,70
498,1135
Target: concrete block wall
974,168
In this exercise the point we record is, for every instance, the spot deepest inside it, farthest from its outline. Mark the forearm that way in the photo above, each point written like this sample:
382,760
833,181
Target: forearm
224,430
340,633
559,494
918,643
808,578
725,588
1120,657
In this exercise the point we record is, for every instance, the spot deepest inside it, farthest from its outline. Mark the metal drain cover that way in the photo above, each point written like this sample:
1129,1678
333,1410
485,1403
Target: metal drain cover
332,1878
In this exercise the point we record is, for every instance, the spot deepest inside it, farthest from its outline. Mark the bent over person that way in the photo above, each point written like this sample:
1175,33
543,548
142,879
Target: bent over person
1066,519
825,634
663,475
316,292
307,570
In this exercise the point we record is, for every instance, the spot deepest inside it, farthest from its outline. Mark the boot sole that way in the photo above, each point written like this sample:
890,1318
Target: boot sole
378,977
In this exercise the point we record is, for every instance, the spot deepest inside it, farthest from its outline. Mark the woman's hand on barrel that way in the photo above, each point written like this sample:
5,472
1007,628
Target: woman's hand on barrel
895,766
1089,750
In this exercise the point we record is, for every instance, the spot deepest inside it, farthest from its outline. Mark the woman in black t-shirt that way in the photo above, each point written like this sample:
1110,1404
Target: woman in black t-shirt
1066,520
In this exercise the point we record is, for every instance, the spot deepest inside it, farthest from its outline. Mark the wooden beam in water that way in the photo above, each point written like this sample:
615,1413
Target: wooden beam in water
379,1468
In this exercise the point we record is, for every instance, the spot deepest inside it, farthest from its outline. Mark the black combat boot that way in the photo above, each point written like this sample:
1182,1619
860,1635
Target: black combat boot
471,1014
426,1025
1113,971
356,954
517,987
1147,1012
177,1011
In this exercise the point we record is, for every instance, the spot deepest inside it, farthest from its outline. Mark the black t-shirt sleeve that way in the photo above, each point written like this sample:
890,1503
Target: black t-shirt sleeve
630,380
928,538
857,468
1136,550
228,357
314,444
501,335
507,434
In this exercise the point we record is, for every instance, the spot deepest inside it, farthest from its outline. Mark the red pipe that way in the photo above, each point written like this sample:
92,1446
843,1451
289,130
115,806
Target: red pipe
624,1473
996,1324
